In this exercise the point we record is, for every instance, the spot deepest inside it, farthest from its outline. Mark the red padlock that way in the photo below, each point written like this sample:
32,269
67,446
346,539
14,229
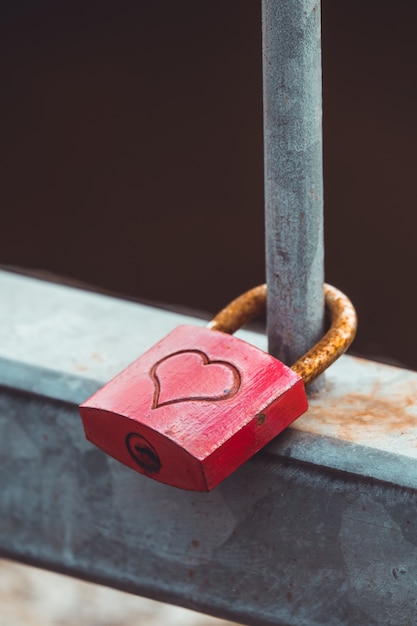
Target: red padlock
201,402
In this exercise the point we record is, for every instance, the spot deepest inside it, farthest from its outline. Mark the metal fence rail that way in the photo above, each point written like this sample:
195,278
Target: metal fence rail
319,528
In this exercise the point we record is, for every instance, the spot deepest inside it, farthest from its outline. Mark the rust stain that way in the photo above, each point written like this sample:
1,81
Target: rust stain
260,419
357,416
83,368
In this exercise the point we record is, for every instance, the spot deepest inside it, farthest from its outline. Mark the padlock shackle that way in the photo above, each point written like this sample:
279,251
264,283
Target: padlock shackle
342,331
240,311
343,325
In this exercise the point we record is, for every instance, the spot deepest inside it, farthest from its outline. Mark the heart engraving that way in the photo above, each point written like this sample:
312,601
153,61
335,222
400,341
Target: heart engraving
189,375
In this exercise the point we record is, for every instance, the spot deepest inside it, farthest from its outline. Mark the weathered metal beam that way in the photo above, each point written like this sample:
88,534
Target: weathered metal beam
293,175
319,528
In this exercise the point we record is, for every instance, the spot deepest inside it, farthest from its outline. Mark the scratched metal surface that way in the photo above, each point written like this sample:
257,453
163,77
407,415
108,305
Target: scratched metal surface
318,529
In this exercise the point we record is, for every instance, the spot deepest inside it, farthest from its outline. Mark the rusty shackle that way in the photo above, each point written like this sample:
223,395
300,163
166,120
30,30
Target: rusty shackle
343,325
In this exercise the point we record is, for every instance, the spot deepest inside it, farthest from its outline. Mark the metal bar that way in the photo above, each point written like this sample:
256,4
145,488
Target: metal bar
293,175
319,528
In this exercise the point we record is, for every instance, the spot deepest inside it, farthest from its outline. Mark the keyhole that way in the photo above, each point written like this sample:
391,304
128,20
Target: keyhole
143,453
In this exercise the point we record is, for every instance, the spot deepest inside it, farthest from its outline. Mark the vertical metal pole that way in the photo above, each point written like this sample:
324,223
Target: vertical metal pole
293,175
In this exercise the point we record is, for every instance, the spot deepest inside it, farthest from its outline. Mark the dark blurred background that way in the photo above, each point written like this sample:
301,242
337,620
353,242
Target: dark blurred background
131,152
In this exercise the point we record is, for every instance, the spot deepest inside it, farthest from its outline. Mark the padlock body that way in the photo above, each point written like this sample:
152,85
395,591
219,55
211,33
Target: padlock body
194,407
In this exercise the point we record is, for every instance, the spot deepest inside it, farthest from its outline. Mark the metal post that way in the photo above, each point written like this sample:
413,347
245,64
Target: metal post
293,175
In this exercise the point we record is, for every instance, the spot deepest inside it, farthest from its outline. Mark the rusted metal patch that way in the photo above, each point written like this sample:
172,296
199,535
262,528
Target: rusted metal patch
366,403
